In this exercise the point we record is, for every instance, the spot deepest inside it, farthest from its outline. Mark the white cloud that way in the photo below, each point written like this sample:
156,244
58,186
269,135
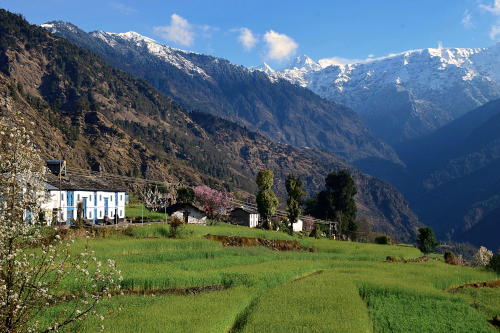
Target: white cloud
467,20
370,56
246,38
342,61
123,8
279,46
179,31
495,31
495,10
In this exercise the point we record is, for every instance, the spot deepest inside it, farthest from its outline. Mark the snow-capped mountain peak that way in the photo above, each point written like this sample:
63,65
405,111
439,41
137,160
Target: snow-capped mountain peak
417,91
145,46
304,63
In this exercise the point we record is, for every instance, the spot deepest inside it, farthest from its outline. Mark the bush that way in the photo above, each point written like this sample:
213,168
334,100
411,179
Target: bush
316,232
450,258
175,224
495,262
383,239
427,242
276,224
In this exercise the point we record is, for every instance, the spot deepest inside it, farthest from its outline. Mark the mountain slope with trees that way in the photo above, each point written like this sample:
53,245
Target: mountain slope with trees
280,110
456,183
89,113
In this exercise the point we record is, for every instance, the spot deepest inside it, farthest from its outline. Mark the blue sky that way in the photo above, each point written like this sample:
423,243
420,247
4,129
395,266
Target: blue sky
251,32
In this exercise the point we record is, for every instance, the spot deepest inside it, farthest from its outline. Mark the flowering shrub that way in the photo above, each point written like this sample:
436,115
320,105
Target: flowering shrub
482,257
308,223
33,265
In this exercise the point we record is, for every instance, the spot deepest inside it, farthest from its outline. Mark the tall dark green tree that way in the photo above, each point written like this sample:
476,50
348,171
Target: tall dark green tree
336,202
427,242
186,196
267,202
295,194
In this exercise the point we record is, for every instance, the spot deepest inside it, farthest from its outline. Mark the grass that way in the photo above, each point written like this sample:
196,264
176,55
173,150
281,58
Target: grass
138,211
486,300
271,291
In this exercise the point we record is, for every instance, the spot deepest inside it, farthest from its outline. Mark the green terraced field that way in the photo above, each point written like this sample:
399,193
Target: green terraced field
343,287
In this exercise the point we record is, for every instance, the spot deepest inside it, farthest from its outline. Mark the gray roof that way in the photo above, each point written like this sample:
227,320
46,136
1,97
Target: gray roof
246,210
49,187
180,206
83,183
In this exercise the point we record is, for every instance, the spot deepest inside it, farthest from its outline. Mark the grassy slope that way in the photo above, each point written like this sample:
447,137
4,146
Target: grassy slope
265,294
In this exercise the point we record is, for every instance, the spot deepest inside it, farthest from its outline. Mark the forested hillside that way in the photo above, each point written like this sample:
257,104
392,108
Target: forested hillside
280,110
455,182
89,113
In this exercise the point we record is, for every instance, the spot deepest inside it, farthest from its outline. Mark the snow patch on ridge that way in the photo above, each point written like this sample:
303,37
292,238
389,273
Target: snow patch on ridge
124,41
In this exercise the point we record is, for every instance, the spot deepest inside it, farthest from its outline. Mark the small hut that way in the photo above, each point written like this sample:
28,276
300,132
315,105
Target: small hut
195,215
244,216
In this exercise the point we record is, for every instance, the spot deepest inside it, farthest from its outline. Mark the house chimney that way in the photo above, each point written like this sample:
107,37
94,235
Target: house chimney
57,166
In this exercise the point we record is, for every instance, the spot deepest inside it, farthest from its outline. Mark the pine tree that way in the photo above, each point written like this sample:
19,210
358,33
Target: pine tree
267,202
295,194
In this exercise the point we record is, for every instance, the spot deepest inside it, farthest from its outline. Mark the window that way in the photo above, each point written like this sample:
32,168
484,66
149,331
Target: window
78,197
111,198
100,197
90,215
121,197
90,197
121,212
62,196
100,213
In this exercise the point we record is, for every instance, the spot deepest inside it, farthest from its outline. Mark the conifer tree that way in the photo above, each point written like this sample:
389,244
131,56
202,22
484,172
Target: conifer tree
295,194
267,202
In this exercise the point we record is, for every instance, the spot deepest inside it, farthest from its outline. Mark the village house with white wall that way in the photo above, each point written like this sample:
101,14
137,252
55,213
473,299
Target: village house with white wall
102,199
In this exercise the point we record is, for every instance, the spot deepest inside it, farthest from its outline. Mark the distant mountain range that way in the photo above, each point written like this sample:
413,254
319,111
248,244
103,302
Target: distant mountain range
455,176
418,101
282,111
407,95
90,113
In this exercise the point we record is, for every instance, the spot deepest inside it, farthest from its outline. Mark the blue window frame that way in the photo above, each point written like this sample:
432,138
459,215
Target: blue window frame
100,197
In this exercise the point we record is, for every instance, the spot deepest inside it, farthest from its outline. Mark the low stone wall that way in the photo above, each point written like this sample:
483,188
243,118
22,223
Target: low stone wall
275,244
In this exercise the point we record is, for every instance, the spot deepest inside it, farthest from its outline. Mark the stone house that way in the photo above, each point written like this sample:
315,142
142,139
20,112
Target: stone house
244,216
196,215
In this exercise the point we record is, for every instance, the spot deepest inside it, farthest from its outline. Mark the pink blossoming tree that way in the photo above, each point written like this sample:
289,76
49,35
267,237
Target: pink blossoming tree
215,203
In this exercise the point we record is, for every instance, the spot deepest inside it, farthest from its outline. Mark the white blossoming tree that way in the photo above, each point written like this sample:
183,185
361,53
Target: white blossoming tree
34,261
482,257
150,195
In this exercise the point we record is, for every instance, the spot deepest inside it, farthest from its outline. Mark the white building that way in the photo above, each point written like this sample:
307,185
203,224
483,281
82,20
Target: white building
195,215
297,226
102,200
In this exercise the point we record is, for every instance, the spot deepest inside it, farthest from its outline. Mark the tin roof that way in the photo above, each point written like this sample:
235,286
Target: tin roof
180,206
246,210
83,183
